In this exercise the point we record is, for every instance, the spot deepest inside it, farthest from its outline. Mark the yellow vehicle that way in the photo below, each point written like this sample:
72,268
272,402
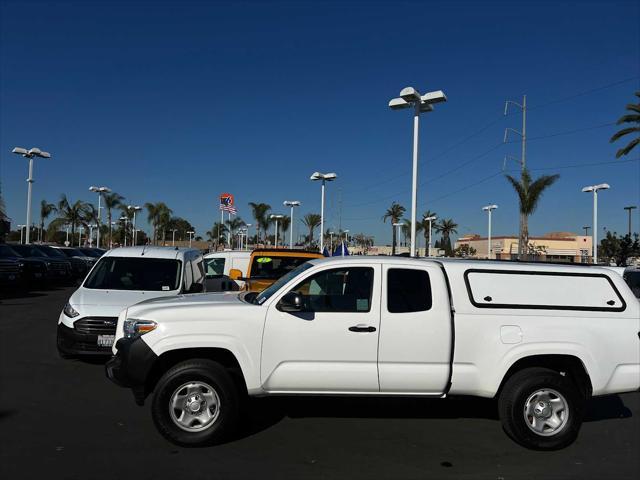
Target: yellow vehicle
267,265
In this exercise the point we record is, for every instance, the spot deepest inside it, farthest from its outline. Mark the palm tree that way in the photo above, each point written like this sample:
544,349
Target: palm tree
529,194
406,230
68,213
283,226
633,119
46,209
446,227
259,212
233,225
216,233
158,216
394,212
311,221
111,201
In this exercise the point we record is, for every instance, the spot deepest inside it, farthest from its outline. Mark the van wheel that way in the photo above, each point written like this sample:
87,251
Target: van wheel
195,403
541,409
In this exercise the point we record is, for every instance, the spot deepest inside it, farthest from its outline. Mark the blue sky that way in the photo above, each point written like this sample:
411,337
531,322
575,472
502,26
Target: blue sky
180,101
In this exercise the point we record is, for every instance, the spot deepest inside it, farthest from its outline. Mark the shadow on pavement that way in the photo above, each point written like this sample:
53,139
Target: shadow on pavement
263,413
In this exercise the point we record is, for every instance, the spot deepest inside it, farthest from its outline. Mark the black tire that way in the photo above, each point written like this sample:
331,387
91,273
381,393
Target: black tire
209,373
513,398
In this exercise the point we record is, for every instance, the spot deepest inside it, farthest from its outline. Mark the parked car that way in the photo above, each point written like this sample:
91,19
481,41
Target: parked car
92,252
11,274
80,262
266,265
123,277
34,270
218,265
58,269
540,338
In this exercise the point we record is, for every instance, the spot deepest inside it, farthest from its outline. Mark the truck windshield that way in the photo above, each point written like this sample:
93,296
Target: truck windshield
127,273
264,295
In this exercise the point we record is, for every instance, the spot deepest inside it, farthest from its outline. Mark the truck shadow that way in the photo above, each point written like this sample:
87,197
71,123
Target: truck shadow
263,413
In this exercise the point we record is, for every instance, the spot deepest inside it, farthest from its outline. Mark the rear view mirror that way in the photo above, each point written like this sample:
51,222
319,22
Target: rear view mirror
235,274
291,302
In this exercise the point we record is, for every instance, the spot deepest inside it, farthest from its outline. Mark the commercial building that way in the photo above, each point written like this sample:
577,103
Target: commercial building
554,246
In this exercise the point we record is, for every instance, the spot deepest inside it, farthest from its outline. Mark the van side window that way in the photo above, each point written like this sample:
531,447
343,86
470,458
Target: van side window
408,290
215,266
338,290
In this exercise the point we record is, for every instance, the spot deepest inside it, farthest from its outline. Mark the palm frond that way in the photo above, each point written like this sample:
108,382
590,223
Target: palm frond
628,148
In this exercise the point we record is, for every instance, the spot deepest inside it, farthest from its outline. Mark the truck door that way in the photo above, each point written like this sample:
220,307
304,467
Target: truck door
332,345
415,330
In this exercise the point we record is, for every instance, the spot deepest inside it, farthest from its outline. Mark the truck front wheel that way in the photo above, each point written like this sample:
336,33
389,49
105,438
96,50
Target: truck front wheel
541,409
195,403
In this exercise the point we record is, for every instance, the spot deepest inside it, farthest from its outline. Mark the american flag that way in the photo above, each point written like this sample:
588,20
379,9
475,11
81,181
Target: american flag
227,208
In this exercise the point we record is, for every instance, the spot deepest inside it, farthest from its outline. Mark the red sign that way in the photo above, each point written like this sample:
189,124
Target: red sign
226,200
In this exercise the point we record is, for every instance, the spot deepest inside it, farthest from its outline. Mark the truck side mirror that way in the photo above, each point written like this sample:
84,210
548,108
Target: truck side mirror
291,302
235,274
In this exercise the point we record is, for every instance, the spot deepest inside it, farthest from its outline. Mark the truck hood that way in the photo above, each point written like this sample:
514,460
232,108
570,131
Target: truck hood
118,298
197,299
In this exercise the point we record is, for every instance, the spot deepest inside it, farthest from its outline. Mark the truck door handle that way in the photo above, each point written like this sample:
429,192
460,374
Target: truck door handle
361,328
611,302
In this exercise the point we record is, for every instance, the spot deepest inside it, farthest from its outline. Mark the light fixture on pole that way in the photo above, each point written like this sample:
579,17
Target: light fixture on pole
430,219
191,233
91,227
331,240
173,236
409,97
594,189
398,226
125,219
135,209
292,204
489,209
80,229
325,177
629,209
66,243
30,154
276,218
100,191
346,236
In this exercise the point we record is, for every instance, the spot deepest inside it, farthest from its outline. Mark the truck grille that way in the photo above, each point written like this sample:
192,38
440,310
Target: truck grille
9,267
97,325
59,267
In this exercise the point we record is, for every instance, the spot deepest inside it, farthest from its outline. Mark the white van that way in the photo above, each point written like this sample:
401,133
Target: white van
218,265
123,277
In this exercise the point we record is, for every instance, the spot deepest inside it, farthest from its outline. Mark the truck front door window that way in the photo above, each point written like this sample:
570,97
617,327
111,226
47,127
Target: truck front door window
338,290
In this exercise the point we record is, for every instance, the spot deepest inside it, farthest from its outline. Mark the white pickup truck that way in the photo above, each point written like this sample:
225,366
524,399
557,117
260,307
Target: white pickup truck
540,338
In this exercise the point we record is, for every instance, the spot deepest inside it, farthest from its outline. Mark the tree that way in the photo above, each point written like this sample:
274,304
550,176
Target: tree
46,209
446,227
68,213
619,248
529,193
311,221
111,201
233,225
465,250
216,234
181,226
425,226
632,119
158,216
394,212
406,230
259,212
283,224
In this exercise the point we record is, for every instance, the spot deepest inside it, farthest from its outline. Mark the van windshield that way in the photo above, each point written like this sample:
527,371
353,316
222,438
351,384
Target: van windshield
267,267
128,273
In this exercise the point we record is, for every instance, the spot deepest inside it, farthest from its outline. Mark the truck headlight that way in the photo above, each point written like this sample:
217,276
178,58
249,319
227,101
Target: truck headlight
133,327
69,311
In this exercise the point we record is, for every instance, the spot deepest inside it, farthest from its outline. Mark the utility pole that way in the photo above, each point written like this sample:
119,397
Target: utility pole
586,230
523,158
629,209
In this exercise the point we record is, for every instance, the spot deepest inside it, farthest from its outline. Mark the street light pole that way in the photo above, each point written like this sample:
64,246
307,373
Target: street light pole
292,204
409,96
398,225
21,227
629,209
276,218
30,154
594,189
489,209
99,191
190,232
135,209
325,177
173,236
429,219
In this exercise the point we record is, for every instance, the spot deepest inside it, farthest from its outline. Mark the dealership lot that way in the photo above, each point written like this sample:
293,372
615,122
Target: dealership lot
65,419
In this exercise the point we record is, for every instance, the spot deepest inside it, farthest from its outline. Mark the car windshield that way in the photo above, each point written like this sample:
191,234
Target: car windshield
278,284
6,251
88,252
633,280
272,267
29,251
71,252
128,273
52,252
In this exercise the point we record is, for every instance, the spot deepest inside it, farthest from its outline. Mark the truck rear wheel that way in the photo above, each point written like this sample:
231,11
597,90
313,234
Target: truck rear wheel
195,403
541,409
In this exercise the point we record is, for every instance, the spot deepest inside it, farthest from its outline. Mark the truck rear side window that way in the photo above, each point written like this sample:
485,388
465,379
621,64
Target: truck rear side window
542,290
408,290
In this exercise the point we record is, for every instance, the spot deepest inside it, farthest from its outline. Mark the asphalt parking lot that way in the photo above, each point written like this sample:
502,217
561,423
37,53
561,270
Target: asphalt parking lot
64,419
